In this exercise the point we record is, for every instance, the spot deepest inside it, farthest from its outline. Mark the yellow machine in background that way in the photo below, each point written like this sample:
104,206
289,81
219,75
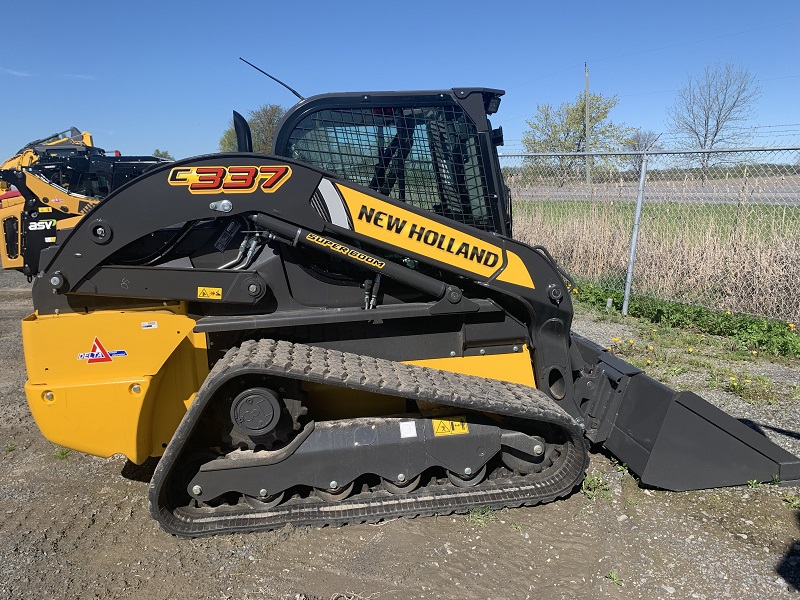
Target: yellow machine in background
58,179
61,144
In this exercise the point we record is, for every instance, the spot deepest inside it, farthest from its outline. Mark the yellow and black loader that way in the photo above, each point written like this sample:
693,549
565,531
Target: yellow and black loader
345,331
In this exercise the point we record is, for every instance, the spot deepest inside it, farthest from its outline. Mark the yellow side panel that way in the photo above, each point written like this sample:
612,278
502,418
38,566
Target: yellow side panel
516,272
515,368
58,197
325,402
114,381
99,418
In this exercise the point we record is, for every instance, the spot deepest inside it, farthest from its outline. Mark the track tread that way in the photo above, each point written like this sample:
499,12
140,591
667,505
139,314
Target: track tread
314,364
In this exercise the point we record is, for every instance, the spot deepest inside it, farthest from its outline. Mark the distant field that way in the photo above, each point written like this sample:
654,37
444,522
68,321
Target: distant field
742,257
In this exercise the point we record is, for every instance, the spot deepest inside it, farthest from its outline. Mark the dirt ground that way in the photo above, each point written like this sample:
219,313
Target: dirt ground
77,526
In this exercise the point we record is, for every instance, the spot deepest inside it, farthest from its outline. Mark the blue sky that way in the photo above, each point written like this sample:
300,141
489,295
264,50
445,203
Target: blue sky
145,75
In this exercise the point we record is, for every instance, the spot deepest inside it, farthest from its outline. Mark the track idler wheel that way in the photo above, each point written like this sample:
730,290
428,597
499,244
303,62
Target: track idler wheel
335,494
467,480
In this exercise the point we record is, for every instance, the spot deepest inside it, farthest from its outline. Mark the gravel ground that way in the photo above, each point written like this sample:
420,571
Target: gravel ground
78,527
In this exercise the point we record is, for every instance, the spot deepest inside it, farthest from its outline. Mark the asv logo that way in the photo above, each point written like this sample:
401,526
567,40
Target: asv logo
98,354
42,225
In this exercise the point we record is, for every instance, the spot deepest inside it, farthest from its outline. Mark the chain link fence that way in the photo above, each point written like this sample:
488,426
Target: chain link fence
719,229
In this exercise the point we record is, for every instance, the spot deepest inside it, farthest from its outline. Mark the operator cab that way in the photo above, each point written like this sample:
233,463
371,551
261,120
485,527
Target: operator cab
433,149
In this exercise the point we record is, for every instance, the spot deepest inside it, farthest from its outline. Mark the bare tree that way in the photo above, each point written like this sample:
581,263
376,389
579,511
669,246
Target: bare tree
711,108
641,140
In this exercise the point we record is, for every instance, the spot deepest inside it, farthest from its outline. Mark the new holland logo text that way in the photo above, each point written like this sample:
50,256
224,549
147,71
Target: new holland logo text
98,354
429,237
230,180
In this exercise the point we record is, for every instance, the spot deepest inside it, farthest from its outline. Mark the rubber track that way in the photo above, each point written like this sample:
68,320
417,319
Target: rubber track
331,367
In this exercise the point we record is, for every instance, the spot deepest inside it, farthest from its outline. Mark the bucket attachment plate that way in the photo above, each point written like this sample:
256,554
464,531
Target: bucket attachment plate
676,440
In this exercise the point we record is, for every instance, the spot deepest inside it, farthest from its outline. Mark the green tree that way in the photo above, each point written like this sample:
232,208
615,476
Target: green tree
563,130
263,124
163,154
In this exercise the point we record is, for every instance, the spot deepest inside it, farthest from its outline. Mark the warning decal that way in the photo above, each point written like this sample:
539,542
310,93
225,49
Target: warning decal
450,426
209,293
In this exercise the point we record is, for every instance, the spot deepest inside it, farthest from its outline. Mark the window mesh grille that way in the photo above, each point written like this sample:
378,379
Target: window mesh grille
427,156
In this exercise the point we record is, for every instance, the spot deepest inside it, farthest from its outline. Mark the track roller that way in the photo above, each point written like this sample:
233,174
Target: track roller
335,494
468,479
402,487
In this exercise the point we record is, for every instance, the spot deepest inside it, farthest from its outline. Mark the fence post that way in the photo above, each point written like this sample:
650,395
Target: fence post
635,235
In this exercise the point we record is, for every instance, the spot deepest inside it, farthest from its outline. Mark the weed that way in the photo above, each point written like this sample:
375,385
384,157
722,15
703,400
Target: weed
792,501
675,370
796,392
614,578
481,516
753,483
776,479
757,390
752,335
10,447
62,453
516,526
631,501
618,466
596,485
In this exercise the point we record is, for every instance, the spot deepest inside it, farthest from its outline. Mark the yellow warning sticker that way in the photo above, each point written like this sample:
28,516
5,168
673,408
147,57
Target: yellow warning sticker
451,426
209,293
45,209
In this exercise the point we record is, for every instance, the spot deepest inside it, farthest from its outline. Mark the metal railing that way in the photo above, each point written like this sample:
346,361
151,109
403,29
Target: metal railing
716,228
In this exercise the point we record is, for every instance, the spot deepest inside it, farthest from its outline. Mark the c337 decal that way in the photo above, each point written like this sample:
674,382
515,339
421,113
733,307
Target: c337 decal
243,179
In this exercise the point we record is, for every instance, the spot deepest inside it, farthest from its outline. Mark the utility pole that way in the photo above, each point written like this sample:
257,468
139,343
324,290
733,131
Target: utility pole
586,128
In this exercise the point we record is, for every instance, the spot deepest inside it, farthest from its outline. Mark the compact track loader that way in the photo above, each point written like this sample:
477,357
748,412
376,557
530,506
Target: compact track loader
58,179
344,331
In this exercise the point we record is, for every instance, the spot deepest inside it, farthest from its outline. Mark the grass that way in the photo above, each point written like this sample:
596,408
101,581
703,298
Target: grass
481,516
596,486
62,453
614,577
792,501
618,466
724,256
670,218
705,343
690,325
10,447
755,389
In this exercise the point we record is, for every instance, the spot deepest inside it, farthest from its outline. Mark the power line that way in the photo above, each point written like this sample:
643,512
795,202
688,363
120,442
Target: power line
635,53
